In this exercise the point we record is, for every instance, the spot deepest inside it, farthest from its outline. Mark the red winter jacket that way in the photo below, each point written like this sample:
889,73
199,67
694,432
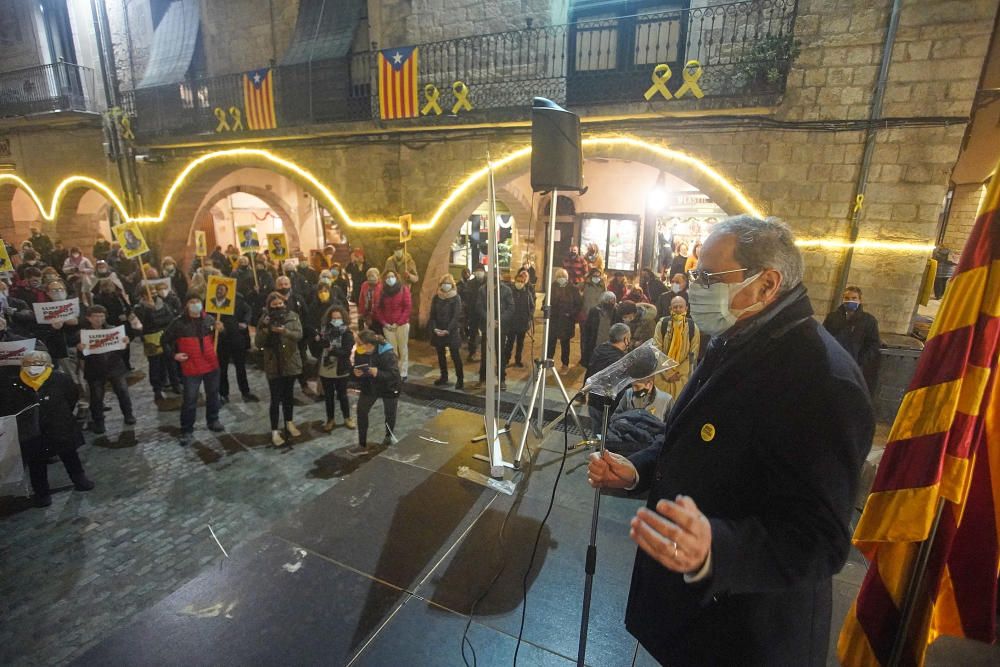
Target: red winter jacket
395,308
367,297
195,338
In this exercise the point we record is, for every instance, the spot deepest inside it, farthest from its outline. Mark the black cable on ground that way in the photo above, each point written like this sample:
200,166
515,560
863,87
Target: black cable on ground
538,537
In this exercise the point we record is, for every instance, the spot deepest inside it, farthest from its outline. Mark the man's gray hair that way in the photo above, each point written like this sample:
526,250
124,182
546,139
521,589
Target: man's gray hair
608,297
764,244
618,332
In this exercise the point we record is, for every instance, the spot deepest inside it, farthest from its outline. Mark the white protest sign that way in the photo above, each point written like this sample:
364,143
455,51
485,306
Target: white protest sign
100,341
52,312
12,351
156,284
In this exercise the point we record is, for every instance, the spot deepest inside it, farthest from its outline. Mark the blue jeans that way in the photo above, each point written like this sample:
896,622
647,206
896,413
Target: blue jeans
190,404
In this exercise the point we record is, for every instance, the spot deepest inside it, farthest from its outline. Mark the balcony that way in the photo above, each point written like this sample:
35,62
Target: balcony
743,49
59,86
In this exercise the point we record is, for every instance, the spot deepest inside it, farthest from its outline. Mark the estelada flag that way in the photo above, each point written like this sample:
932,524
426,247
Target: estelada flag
944,446
258,99
397,83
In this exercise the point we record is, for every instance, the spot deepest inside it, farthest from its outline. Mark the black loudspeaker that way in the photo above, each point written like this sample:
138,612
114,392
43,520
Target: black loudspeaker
556,151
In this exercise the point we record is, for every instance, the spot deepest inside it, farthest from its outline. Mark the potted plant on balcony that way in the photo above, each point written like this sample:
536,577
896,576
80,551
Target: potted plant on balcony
762,68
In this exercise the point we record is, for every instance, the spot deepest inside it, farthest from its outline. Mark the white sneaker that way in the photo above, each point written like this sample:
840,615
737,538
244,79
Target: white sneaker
292,431
276,439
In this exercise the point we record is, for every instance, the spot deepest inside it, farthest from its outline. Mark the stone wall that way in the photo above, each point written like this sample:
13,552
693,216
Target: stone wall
405,22
237,34
19,36
962,216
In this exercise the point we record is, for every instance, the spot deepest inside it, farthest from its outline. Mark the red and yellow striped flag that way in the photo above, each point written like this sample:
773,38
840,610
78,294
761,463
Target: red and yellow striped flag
397,83
944,444
258,99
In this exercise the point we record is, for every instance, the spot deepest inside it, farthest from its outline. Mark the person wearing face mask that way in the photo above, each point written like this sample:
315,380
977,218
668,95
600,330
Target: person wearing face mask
566,303
651,285
368,296
574,265
58,256
337,343
156,315
752,488
469,290
445,330
678,287
377,375
29,288
191,336
643,395
48,430
618,285
590,293
594,258
640,317
857,331
284,286
401,263
56,335
118,309
392,312
278,334
8,336
178,279
234,342
677,337
357,270
29,260
101,369
521,319
597,328
505,311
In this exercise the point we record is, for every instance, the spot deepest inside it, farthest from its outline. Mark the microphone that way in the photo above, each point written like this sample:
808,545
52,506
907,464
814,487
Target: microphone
642,362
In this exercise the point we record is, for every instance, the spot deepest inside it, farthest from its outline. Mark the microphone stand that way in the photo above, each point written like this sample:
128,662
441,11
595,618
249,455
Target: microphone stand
591,565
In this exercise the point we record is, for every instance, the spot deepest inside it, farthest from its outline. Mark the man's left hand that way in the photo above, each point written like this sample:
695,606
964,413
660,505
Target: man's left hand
677,535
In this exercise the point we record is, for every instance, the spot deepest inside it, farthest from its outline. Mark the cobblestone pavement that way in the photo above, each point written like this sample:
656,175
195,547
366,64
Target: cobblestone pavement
76,571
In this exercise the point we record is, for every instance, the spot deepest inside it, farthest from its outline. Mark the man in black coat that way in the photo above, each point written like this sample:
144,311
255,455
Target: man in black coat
752,487
857,331
234,341
606,354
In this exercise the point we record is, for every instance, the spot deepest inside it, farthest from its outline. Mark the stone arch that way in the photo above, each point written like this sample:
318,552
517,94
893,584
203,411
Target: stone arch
18,212
204,214
82,215
449,217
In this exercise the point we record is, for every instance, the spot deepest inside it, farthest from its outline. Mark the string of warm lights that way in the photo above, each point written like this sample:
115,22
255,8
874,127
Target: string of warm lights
467,185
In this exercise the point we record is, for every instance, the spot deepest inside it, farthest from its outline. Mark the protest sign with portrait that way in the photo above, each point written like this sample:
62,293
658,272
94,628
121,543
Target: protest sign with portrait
220,295
200,244
277,246
246,236
129,236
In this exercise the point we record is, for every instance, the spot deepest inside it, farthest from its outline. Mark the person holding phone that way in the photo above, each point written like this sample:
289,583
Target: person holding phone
376,371
278,334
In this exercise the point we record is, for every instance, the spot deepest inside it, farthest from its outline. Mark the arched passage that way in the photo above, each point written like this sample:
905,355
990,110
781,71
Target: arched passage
197,207
18,214
83,215
511,177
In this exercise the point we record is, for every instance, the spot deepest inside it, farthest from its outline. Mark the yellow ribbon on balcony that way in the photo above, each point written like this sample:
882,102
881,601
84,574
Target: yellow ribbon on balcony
125,129
431,94
859,201
220,115
461,97
661,74
237,115
691,73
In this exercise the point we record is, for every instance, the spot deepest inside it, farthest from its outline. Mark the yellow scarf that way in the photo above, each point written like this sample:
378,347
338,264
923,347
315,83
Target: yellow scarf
678,339
36,382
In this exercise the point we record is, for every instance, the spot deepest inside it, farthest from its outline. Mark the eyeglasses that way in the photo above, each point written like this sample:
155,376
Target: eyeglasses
706,278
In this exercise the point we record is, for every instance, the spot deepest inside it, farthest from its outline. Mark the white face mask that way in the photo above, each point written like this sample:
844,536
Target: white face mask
390,281
675,288
34,371
446,287
561,282
58,295
596,280
711,307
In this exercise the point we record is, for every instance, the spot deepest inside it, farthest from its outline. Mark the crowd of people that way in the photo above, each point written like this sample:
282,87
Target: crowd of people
324,326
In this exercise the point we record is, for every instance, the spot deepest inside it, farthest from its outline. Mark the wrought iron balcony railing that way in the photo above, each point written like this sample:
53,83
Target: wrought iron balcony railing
743,50
59,86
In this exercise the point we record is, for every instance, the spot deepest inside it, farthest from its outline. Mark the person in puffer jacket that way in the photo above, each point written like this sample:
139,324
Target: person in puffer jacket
155,314
192,338
392,312
377,374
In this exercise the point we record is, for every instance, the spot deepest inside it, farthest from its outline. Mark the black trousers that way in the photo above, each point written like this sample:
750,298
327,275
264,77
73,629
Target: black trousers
159,372
482,363
510,341
238,357
365,403
564,352
475,332
456,359
281,395
119,385
38,471
335,390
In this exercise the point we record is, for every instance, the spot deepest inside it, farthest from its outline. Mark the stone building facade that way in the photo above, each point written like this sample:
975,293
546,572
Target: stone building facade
797,157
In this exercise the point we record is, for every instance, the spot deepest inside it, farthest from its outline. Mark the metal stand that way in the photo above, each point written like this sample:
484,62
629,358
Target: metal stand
545,364
591,565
